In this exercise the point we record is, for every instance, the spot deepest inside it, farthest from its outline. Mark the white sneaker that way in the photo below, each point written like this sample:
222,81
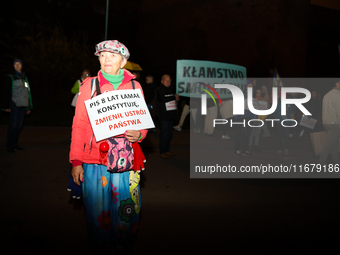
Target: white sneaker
246,153
225,137
178,128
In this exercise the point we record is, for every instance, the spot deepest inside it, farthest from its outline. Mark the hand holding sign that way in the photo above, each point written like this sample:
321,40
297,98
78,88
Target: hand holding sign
132,135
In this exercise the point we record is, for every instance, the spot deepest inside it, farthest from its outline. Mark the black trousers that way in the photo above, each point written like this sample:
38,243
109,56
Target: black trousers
15,125
243,135
165,135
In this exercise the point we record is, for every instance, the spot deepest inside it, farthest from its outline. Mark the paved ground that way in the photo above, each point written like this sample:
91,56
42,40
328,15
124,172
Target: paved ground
179,214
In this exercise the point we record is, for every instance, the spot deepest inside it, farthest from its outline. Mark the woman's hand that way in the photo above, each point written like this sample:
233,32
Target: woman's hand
77,174
132,135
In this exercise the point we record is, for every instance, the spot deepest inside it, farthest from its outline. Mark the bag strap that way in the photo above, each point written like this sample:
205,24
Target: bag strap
95,87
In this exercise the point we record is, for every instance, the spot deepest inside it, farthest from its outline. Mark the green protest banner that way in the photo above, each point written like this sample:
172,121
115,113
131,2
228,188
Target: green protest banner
195,77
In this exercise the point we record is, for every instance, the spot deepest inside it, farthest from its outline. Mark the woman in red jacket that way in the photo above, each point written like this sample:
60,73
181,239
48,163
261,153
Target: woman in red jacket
112,200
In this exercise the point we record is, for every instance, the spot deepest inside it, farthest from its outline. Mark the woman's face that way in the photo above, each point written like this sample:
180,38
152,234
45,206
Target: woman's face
258,93
111,62
85,74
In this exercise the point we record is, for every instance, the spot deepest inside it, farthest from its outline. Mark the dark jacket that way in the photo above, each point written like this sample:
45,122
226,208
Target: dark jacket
290,109
315,108
7,93
164,95
149,92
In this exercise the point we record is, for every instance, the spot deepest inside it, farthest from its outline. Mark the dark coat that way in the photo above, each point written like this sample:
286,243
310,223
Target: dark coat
165,94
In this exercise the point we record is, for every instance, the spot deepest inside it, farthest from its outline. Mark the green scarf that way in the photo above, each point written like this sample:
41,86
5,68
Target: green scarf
115,80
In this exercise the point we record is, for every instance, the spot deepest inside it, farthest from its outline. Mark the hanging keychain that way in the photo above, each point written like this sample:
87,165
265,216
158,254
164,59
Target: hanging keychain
103,149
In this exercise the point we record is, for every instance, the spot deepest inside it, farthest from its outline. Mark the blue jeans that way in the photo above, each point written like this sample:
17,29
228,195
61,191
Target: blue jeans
15,125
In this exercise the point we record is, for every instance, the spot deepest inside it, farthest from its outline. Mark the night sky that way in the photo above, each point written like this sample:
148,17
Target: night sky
56,39
251,33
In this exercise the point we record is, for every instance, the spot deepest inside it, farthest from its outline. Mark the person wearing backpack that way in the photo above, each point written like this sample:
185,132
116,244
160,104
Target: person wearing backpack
112,201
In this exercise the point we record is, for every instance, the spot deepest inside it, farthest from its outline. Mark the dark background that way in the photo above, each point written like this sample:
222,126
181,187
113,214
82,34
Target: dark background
56,40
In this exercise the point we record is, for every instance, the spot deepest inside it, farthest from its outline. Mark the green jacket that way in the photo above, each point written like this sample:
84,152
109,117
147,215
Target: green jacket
76,86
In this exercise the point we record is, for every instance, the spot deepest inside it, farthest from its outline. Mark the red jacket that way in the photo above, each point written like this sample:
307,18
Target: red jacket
84,147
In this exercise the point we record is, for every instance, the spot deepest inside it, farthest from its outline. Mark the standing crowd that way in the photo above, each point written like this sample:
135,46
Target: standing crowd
107,172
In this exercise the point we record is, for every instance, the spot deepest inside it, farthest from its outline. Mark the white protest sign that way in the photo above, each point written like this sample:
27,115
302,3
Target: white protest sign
256,103
114,112
263,105
308,122
171,105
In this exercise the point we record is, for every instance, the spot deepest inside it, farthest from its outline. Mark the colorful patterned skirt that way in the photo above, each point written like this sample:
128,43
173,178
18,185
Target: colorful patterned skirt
112,204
